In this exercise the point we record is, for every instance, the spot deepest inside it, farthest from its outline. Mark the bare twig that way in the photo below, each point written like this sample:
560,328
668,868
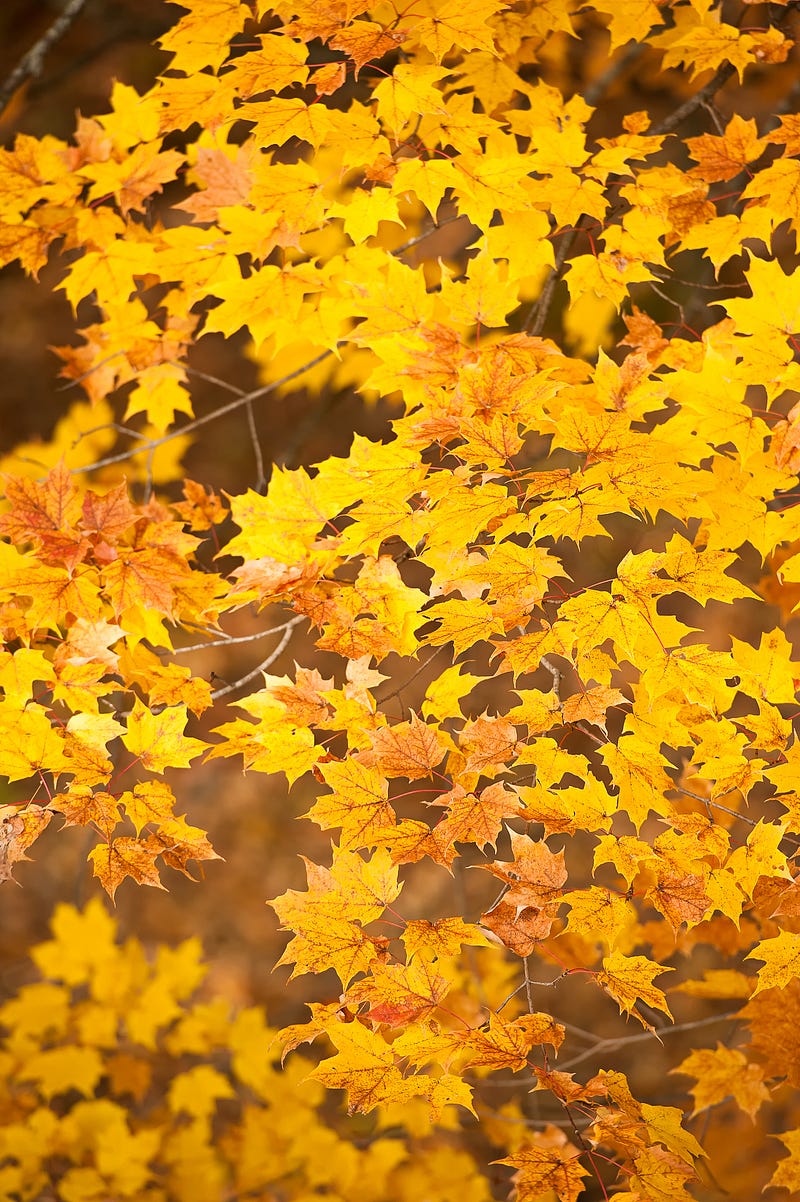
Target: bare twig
265,663
246,398
715,805
527,984
426,233
540,310
513,993
606,1045
215,380
229,640
31,64
526,968
555,672
261,477
388,696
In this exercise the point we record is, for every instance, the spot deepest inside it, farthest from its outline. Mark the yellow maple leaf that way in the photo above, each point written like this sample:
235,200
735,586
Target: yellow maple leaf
721,1072
366,1067
200,39
781,957
629,979
543,1171
157,740
198,1090
706,47
787,1171
113,862
58,1070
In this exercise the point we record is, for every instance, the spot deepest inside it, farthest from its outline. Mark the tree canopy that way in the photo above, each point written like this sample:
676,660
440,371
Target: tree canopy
536,625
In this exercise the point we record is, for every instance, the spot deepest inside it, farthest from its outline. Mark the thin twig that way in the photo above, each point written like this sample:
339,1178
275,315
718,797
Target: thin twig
526,985
555,672
261,478
31,64
437,225
245,399
265,663
215,380
388,696
526,968
513,993
715,804
606,1045
229,640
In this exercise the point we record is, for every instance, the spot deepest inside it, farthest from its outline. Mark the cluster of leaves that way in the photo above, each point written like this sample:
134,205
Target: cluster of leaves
117,1083
548,551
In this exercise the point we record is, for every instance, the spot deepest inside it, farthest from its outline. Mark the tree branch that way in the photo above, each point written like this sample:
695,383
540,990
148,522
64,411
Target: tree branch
31,64
697,101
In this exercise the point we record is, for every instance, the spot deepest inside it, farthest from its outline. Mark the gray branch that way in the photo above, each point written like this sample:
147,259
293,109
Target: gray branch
31,64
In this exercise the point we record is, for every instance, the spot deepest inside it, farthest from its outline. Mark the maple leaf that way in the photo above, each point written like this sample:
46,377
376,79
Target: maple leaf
197,1091
125,857
629,979
787,1171
157,740
398,994
410,749
443,938
721,1072
781,956
364,40
17,832
600,914
178,843
366,1067
535,875
705,46
82,807
722,157
46,514
57,1070
358,804
200,39
141,173
541,1170
507,1044
329,918
472,818
521,929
